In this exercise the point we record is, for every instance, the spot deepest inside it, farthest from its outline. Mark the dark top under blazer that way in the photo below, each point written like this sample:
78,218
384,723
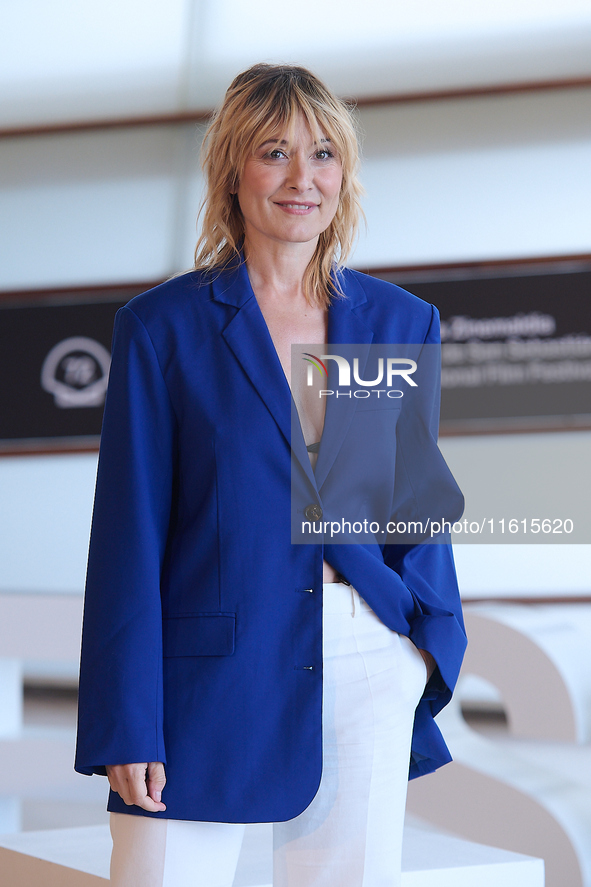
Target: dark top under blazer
199,626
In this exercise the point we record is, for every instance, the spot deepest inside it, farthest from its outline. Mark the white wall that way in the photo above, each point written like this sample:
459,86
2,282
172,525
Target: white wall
45,522
97,207
66,60
486,178
470,179
517,476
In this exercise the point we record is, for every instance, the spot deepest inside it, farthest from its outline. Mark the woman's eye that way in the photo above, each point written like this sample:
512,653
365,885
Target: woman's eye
323,154
276,154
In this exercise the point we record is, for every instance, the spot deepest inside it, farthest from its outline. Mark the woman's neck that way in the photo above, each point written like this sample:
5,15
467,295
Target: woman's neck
276,272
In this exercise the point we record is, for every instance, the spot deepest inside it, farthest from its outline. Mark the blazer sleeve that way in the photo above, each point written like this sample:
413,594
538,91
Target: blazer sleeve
427,569
120,695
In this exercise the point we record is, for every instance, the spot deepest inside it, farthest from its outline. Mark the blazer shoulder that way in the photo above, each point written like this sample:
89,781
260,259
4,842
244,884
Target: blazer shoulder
382,299
171,296
375,288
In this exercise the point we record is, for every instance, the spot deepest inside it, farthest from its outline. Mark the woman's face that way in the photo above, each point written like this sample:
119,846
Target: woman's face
289,189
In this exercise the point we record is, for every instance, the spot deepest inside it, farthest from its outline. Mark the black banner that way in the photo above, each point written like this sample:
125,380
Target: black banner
516,353
516,345
54,367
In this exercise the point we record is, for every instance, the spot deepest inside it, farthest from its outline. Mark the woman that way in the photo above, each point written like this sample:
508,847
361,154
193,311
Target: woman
228,675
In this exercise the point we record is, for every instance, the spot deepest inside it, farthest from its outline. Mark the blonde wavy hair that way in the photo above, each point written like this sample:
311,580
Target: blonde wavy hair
260,103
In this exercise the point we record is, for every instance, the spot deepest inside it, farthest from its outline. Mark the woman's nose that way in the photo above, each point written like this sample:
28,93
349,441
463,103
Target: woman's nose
299,174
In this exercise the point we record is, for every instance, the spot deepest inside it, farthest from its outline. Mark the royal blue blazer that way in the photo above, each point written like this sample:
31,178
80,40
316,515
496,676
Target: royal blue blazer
202,639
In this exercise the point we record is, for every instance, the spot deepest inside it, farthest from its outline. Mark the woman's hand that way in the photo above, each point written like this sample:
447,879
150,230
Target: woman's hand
430,663
139,784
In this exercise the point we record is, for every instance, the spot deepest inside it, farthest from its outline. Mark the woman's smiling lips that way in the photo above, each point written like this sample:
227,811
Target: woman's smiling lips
298,209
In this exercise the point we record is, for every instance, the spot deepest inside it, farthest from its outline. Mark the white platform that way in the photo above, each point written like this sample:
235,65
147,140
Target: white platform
528,789
80,858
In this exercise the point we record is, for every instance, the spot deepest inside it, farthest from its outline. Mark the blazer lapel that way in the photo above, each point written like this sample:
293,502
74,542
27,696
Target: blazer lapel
344,328
249,338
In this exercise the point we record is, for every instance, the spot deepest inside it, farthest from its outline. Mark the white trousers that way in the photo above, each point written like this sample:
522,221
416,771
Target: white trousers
351,833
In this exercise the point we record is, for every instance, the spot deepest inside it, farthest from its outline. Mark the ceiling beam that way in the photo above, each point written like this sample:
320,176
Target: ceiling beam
176,118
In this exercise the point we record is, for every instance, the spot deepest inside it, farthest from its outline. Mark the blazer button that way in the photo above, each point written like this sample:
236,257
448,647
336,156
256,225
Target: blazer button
313,512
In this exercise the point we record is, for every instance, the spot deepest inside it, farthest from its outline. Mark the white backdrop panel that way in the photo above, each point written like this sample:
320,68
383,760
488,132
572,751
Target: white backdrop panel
473,205
91,208
64,59
45,521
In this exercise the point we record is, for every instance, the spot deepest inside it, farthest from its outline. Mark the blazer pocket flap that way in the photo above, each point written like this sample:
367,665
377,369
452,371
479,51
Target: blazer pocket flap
206,634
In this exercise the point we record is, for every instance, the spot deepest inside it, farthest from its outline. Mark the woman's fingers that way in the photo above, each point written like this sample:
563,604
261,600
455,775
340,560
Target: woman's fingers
156,781
130,782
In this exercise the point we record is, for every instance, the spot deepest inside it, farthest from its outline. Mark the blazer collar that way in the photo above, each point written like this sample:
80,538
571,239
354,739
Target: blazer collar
248,337
232,285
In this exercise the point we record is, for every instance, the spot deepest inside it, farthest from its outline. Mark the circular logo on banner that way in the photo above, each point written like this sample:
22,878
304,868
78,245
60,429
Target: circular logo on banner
76,372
